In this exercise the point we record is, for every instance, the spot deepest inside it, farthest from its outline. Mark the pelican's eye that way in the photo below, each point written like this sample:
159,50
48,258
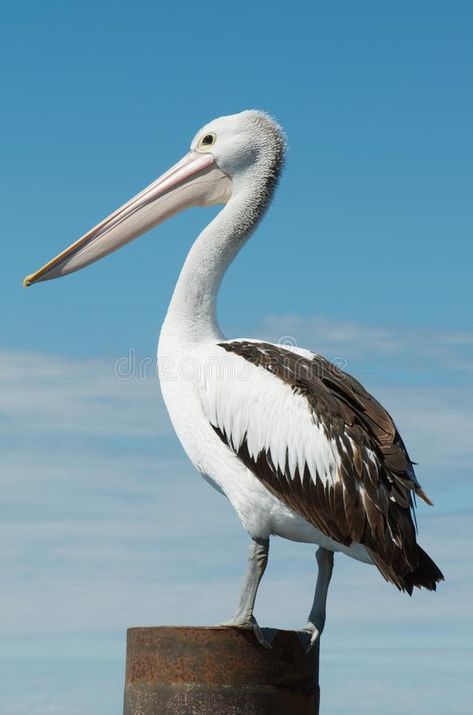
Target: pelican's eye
207,140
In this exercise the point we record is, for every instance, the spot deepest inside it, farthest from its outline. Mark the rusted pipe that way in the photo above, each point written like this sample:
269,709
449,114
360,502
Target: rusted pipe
218,671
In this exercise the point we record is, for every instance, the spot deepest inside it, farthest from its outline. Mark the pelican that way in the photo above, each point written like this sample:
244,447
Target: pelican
300,448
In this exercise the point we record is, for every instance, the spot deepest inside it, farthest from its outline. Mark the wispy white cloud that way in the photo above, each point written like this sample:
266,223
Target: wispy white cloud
419,350
45,393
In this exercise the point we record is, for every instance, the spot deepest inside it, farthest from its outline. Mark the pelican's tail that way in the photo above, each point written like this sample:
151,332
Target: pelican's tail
426,575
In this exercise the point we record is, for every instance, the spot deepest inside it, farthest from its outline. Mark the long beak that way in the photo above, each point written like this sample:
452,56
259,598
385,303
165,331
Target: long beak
193,181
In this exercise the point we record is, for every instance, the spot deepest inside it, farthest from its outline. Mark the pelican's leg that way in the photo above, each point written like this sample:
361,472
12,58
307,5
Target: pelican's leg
257,560
316,621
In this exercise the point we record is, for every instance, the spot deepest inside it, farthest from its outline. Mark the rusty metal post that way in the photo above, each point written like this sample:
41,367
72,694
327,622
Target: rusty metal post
218,671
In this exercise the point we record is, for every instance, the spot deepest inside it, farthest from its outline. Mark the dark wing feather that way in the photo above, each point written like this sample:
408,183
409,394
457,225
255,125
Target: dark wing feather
371,499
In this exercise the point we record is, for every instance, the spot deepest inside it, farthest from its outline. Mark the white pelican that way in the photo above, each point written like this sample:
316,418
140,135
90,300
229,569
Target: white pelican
299,447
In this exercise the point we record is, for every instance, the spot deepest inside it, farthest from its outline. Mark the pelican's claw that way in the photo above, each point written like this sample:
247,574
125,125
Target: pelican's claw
309,637
252,625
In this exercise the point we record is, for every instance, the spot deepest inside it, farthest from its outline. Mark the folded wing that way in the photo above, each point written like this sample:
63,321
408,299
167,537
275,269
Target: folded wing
324,446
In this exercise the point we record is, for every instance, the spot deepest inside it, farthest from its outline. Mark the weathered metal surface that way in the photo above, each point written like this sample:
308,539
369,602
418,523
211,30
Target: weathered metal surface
218,671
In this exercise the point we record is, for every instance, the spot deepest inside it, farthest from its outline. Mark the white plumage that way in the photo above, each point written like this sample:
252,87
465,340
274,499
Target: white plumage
262,408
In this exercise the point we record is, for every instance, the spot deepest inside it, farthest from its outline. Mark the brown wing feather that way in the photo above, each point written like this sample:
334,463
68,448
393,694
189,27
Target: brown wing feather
371,500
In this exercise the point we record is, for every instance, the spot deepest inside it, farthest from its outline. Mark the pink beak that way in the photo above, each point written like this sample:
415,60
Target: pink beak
196,180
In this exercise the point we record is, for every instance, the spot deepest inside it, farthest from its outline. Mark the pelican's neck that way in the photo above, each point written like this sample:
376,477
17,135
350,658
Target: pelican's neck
192,312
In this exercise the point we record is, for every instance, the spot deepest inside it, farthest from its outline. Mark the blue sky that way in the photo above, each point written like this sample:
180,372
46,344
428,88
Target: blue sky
365,256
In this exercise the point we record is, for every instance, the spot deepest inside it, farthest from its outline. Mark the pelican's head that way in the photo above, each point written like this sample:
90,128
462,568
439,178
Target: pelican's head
224,154
242,143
